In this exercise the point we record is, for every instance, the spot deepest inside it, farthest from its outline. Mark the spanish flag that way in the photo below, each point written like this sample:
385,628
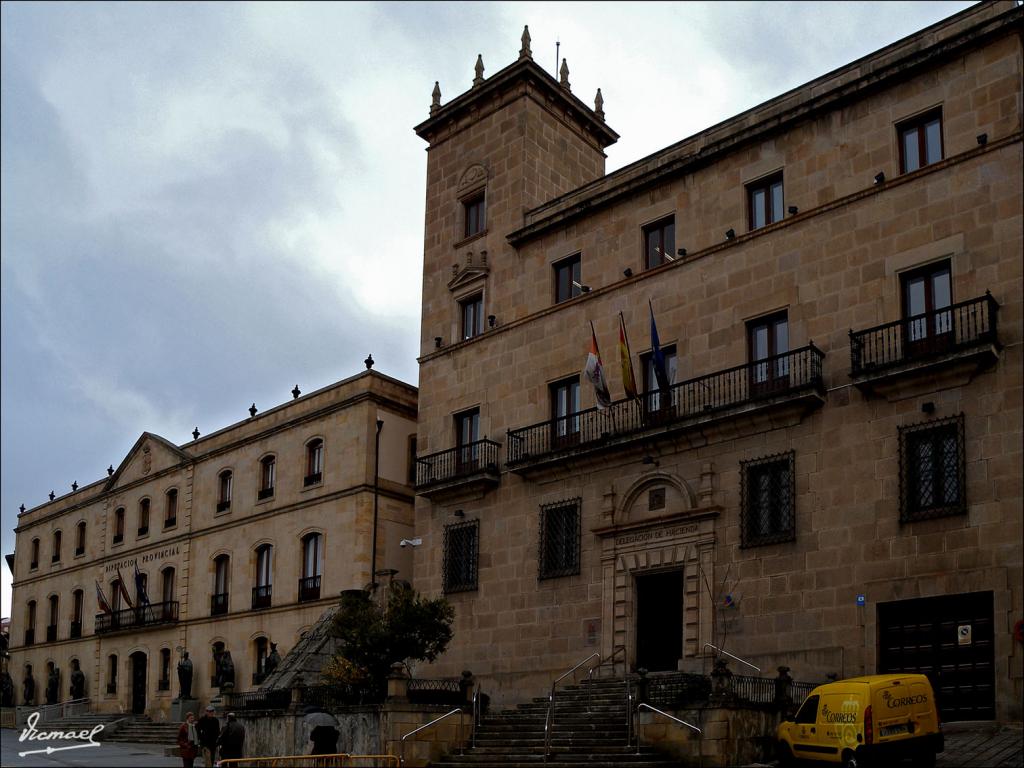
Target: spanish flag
101,599
626,361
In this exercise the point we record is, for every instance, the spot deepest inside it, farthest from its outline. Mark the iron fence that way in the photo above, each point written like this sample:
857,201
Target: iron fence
275,698
941,331
309,589
780,375
455,463
149,615
437,691
337,695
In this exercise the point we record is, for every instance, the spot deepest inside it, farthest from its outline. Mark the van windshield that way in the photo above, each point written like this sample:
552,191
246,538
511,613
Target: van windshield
808,711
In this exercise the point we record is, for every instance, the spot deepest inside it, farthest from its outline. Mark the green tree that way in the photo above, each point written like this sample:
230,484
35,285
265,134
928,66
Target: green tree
404,627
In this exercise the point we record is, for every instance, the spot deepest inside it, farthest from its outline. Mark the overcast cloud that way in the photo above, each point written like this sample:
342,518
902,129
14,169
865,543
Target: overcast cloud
205,204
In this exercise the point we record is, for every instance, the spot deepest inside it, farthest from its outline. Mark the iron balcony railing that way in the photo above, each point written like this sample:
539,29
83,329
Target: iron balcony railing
309,589
219,604
223,505
139,617
261,596
942,331
781,375
111,687
312,479
456,463
275,699
265,493
170,522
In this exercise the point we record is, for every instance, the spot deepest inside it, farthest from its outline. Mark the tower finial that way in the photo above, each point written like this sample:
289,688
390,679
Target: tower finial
563,76
435,98
599,104
525,52
479,69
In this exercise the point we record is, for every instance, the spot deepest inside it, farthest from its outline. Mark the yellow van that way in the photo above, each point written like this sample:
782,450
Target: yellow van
873,720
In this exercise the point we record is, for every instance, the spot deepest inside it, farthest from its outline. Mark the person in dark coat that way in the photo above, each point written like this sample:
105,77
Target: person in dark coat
188,741
208,728
232,739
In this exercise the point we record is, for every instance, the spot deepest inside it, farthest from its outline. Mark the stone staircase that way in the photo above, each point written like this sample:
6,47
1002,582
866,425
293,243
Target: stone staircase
83,722
595,737
141,730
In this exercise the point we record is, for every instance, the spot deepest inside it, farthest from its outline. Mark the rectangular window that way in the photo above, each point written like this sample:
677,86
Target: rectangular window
768,500
461,555
567,278
768,341
932,470
467,435
171,511
268,468
920,141
764,198
119,525
654,401
559,553
659,242
926,292
471,311
565,404
143,517
474,211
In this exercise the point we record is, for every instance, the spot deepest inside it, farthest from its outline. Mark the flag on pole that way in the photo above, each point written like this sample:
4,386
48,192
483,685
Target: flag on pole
657,356
124,590
101,599
140,586
594,370
626,361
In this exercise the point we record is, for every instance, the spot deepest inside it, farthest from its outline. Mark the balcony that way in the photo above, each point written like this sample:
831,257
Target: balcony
265,493
55,557
309,589
219,604
79,551
30,637
466,468
223,506
954,342
769,388
51,633
118,538
140,617
34,565
143,530
261,596
76,630
312,479
170,522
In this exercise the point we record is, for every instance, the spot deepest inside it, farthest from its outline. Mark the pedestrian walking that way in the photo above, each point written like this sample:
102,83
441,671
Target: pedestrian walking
188,740
208,728
232,739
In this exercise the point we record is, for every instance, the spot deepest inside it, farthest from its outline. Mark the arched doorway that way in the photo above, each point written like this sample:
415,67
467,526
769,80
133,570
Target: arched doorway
138,666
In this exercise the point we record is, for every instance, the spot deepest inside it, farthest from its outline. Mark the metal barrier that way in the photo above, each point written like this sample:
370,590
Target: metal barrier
50,712
433,722
663,714
339,760
549,721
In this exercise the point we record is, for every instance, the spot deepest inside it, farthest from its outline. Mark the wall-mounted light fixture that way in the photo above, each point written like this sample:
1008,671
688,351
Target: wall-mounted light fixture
459,513
879,177
730,234
681,252
793,210
928,407
627,272
437,342
491,321
583,288
982,139
410,542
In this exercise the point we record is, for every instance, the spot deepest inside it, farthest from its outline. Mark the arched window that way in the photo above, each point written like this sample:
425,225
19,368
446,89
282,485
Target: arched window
171,508
143,517
56,547
268,465
167,587
112,673
77,611
51,627
260,644
224,494
34,563
314,462
312,566
30,623
80,539
261,593
141,590
119,525
116,597
221,575
163,683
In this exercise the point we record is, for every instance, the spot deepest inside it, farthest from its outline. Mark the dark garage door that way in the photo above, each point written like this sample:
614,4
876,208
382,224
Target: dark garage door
949,639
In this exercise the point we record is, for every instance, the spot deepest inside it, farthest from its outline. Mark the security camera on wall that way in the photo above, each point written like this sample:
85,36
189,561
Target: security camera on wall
410,542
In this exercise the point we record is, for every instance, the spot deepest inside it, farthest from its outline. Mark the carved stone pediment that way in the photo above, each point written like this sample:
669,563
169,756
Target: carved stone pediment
472,270
472,177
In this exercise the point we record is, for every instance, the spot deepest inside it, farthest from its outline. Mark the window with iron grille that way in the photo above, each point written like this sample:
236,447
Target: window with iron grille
932,469
768,500
461,555
559,553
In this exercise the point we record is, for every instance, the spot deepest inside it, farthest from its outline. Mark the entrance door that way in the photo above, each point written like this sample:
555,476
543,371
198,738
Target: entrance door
949,639
138,660
659,621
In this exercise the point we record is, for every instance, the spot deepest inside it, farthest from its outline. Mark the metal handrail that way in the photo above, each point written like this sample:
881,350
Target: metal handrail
401,757
549,721
303,761
726,653
663,714
477,714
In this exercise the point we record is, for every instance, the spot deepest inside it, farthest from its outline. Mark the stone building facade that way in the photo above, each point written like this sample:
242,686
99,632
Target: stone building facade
243,537
830,476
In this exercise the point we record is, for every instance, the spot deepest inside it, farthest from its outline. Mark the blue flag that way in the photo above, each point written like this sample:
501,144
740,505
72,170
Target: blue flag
657,356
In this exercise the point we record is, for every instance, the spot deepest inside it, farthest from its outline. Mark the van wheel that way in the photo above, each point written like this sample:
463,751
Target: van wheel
924,760
850,760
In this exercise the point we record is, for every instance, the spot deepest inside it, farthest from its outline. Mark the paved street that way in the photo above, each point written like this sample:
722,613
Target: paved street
982,745
112,755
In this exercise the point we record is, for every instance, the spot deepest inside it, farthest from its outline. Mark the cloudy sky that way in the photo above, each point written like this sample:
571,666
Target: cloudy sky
205,204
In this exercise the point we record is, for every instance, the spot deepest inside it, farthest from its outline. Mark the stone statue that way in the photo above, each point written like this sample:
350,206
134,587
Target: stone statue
185,677
6,689
77,681
29,687
226,673
272,660
53,685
